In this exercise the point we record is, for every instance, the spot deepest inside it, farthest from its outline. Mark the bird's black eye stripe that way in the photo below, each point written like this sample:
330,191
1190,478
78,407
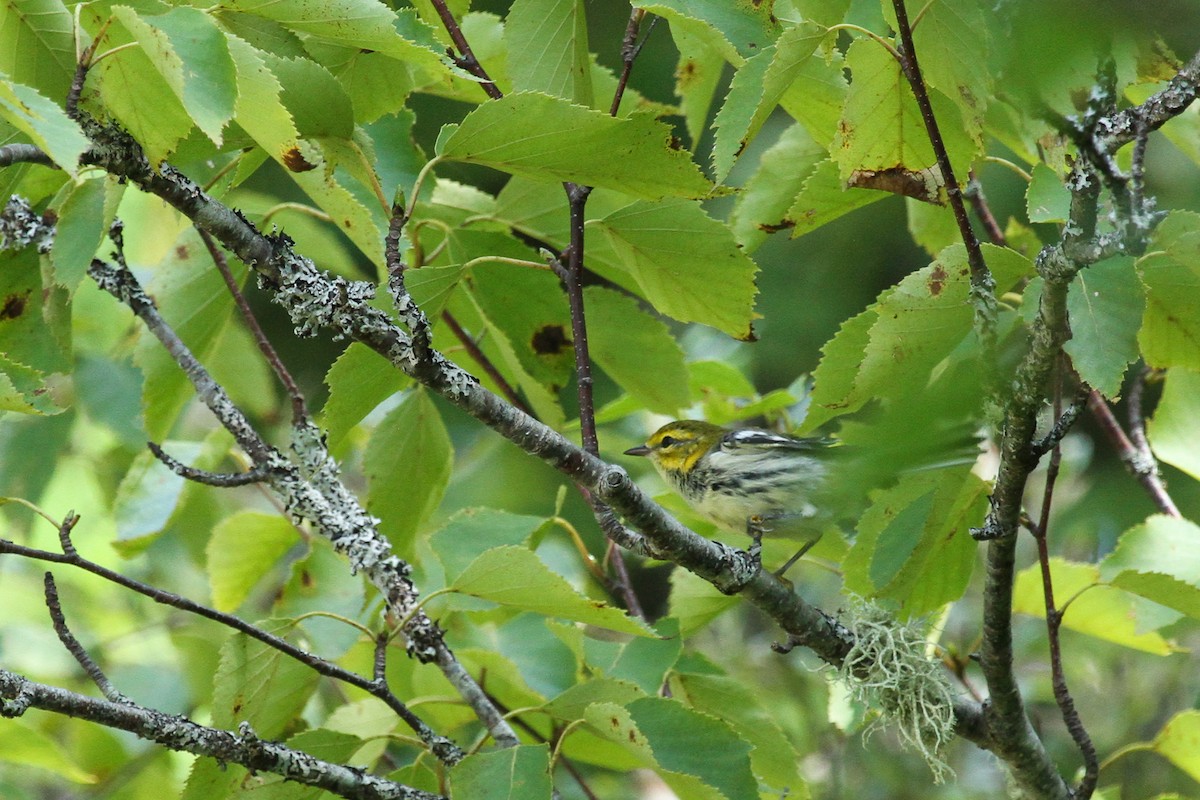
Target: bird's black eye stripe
667,441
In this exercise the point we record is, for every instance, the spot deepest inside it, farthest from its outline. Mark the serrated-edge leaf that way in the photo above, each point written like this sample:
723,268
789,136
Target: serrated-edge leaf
757,88
1175,427
548,48
44,122
574,143
679,256
636,350
242,549
515,576
407,464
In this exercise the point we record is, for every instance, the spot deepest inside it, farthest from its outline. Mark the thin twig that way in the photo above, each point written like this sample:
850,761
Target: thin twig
1142,465
984,211
466,58
18,694
74,647
439,745
223,480
299,408
481,358
1062,694
629,51
1062,423
983,286
24,154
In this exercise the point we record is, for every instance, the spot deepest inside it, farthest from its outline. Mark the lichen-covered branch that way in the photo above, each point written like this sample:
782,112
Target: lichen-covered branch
18,694
312,490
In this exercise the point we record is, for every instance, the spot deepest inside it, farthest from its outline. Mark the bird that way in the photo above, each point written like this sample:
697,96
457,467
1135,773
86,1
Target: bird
746,480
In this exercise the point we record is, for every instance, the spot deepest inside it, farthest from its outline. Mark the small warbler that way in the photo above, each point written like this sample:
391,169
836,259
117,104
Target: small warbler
746,480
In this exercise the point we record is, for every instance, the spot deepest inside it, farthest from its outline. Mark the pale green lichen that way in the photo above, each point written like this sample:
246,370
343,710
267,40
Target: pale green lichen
888,670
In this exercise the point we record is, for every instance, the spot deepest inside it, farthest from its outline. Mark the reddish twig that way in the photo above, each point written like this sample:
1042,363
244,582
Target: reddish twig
1062,694
466,57
1141,464
299,408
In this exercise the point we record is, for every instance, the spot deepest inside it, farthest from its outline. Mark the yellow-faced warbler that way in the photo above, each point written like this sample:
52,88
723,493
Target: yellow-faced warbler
746,480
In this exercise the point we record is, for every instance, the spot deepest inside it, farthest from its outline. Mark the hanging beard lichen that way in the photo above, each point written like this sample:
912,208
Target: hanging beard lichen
888,670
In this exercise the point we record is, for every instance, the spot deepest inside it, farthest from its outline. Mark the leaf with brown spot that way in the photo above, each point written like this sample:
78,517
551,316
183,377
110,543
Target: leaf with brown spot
925,185
294,161
550,340
14,305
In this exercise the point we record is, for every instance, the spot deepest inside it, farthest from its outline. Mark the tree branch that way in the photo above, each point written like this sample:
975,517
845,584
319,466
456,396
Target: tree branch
983,286
444,749
316,492
18,694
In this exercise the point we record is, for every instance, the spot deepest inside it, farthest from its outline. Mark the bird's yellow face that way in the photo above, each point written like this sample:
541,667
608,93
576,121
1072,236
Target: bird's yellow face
677,446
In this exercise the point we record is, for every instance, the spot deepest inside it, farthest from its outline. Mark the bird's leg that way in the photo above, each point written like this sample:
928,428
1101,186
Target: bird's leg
799,554
755,528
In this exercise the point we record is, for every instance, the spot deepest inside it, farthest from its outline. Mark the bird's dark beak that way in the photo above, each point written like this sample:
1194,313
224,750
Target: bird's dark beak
640,450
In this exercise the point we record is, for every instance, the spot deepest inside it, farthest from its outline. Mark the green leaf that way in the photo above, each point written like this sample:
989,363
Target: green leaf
694,603
548,49
912,543
673,731
1158,560
644,662
1105,305
1175,427
310,163
473,531
514,576
823,197
135,93
24,390
365,24
881,128
260,685
44,122
636,350
37,47
193,298
743,28
1179,742
953,42
84,214
686,263
321,583
573,143
932,227
757,88
190,52
407,466
260,110
774,759
697,75
317,103
511,774
892,348
573,702
1047,198
149,494
26,746
528,308
1104,612
817,95
1170,334
697,755
358,381
762,204
242,549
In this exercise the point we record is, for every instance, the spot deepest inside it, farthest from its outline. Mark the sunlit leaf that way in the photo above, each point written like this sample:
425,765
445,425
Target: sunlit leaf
573,143
515,576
